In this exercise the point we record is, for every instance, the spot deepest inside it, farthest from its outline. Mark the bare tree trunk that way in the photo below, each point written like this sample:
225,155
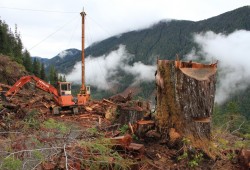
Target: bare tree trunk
185,99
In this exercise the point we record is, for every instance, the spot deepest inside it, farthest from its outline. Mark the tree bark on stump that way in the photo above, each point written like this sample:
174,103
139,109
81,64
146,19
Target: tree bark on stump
143,127
130,114
185,99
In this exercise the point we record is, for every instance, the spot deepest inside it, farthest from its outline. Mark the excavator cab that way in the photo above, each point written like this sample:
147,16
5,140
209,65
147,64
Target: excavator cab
64,88
65,96
65,99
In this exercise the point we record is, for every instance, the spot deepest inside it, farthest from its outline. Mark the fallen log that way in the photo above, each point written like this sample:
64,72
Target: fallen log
88,109
124,141
136,149
4,85
34,100
108,101
11,106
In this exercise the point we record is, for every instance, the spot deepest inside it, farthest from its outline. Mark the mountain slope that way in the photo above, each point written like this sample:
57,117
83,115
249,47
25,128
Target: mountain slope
64,61
164,39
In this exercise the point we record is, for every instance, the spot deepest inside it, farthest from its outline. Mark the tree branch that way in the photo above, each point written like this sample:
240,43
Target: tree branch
29,150
239,127
66,158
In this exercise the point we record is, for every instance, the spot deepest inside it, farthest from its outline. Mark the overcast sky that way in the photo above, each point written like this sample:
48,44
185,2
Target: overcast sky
48,27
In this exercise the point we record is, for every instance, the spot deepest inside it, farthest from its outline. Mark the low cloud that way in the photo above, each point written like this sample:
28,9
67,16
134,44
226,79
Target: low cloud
232,51
101,71
141,71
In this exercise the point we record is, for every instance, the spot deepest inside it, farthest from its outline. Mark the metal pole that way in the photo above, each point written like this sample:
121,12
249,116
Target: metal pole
83,57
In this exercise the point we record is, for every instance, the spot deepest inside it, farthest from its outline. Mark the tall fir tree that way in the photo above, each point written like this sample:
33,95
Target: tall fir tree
42,72
36,67
39,68
17,47
27,61
51,73
60,78
64,78
3,37
56,78
53,76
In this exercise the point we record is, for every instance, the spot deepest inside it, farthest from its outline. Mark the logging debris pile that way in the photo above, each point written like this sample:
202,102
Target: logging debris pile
28,127
96,138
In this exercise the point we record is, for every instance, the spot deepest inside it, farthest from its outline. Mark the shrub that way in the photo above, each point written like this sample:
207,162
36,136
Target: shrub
31,118
52,124
10,163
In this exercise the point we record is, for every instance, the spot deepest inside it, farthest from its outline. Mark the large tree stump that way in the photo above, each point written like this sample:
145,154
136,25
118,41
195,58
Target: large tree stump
130,114
185,98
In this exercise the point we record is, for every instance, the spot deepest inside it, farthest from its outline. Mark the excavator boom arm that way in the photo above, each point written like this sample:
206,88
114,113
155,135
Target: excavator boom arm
39,83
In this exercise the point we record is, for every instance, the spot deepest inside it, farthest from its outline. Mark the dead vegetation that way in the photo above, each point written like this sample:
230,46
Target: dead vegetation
10,71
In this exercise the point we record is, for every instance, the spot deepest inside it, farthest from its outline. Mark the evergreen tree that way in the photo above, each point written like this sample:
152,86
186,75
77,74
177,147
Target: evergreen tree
60,78
42,72
39,68
64,78
5,39
17,47
51,73
35,67
56,79
53,76
27,61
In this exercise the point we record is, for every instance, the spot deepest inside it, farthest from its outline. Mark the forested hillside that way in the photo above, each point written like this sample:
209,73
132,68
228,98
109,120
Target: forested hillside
167,38
11,45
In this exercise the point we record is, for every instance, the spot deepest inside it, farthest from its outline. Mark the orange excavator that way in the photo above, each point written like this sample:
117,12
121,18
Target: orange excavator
62,96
